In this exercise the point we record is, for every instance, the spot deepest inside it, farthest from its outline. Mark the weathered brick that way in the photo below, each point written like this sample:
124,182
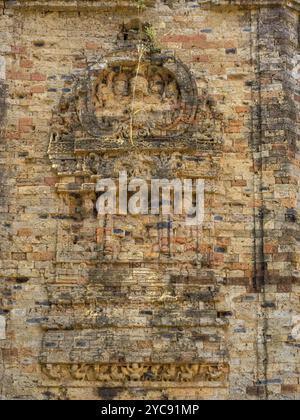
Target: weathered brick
26,63
38,77
146,306
38,89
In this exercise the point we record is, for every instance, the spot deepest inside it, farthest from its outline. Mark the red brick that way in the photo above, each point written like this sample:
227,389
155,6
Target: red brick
280,147
204,248
239,183
238,281
230,45
92,46
38,77
51,181
242,109
180,240
79,65
25,129
191,41
191,247
41,256
255,391
155,248
218,259
238,76
284,288
18,256
26,63
282,257
18,49
202,44
282,180
241,266
184,38
25,122
234,126
297,98
12,135
289,389
17,75
223,241
270,249
165,249
24,232
38,89
201,59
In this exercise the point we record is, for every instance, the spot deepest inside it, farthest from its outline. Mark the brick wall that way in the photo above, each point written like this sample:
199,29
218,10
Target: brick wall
116,307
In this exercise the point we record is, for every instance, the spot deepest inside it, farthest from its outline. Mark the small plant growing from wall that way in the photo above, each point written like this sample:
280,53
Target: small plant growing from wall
147,45
133,112
152,43
140,4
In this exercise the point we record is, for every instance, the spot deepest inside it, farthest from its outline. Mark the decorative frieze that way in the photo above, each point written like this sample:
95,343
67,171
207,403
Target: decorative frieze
138,372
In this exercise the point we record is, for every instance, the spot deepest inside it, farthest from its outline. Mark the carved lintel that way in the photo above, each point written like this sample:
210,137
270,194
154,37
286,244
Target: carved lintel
138,372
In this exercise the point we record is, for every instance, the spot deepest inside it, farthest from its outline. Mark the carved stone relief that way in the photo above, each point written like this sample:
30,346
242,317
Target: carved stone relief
136,99
143,114
156,99
137,372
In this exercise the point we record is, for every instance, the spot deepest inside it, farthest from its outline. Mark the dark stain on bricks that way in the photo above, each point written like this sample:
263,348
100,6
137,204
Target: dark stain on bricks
22,280
231,51
108,393
39,43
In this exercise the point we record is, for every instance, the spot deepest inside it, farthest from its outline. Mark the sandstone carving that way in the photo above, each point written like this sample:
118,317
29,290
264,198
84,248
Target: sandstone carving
156,99
152,99
136,99
138,372
127,100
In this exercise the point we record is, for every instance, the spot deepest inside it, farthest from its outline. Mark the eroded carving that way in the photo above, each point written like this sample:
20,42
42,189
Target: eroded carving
155,99
138,372
136,99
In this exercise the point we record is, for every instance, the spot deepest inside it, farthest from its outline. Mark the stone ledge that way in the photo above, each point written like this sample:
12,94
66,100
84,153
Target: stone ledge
294,4
128,5
74,5
138,384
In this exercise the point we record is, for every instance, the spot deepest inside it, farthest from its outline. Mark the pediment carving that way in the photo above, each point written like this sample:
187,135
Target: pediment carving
126,100
136,99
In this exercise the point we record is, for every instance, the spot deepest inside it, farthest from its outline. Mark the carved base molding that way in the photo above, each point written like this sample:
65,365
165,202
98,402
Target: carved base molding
137,372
